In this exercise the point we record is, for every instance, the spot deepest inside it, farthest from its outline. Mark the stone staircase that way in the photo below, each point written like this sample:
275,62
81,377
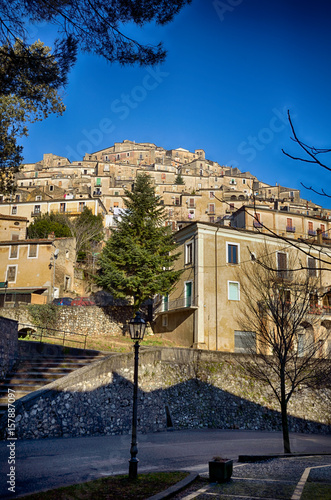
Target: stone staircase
32,374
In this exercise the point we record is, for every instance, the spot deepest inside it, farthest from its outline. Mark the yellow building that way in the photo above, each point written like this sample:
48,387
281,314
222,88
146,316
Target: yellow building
202,310
36,271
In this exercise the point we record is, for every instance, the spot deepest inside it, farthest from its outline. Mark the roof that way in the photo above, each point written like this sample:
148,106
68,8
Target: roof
12,217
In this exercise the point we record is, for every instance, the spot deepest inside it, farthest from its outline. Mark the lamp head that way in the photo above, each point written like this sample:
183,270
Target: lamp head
137,327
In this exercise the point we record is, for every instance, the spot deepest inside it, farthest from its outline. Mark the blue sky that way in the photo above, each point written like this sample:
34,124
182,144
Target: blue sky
233,69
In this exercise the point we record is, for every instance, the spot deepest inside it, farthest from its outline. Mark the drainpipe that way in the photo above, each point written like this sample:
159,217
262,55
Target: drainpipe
216,290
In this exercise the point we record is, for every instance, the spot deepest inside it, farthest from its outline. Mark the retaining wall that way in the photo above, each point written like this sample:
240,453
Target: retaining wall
178,388
8,345
92,320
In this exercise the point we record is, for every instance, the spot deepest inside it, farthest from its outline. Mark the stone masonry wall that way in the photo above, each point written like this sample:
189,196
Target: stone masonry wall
178,388
8,345
90,320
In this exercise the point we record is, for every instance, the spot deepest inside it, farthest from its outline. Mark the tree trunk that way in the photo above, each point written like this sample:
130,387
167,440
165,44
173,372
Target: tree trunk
283,405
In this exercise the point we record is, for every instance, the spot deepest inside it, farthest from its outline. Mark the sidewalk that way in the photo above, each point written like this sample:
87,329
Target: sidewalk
295,478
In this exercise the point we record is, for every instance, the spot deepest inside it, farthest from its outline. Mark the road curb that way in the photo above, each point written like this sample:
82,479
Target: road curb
260,458
184,483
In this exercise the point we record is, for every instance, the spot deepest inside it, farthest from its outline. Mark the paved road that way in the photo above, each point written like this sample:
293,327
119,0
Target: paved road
44,464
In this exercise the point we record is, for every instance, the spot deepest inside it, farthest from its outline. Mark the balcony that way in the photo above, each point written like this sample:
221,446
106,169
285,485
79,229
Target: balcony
290,229
311,232
325,236
257,223
175,305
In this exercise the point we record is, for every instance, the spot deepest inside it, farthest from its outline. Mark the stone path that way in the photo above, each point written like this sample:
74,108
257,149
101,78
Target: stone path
299,478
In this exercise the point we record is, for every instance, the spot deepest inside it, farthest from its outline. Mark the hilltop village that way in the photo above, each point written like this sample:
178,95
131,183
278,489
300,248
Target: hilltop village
208,205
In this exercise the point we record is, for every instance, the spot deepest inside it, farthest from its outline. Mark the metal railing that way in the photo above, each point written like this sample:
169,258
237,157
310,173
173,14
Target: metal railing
172,305
41,332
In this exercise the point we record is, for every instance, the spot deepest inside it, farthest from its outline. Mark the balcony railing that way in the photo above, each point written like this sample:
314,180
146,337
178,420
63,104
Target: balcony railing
311,232
317,309
177,304
257,223
290,229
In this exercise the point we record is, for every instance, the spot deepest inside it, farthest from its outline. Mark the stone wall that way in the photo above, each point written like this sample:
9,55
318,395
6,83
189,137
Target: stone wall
178,388
90,320
8,345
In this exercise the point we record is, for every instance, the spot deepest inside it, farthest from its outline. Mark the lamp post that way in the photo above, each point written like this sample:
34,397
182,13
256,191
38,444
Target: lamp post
137,329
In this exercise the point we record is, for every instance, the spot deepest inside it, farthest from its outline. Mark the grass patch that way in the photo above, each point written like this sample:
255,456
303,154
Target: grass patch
115,487
317,491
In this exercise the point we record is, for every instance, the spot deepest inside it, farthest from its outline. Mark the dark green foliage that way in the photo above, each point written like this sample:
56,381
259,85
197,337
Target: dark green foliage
179,180
45,224
95,27
138,258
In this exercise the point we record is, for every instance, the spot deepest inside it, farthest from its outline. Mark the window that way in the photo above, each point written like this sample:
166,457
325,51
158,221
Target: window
301,344
311,231
98,183
14,210
165,302
189,253
51,188
211,194
33,251
233,290
212,219
188,294
244,181
165,320
191,202
67,283
282,265
212,208
38,198
13,252
177,201
81,206
62,207
17,198
11,274
311,267
244,341
257,220
14,236
191,214
313,302
232,250
36,209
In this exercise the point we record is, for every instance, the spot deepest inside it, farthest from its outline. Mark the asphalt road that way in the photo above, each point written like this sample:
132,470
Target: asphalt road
49,463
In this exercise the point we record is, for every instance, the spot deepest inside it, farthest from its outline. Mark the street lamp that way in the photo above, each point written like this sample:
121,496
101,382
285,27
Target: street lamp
137,329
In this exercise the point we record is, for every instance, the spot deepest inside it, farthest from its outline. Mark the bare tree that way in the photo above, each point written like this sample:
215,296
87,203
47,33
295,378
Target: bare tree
311,155
285,342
